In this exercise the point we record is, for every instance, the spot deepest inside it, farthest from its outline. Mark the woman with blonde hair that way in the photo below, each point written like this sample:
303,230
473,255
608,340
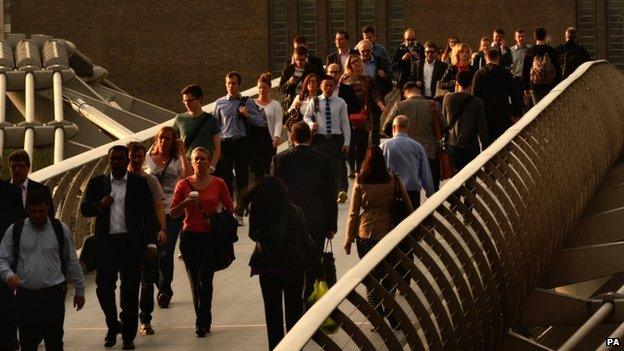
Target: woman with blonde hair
460,61
450,44
166,160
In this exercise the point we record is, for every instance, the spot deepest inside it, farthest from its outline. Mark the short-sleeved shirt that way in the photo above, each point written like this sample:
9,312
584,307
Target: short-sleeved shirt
186,126
157,191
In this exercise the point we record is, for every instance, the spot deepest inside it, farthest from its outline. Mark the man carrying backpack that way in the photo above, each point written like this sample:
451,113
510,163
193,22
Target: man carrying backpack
541,71
35,255
571,55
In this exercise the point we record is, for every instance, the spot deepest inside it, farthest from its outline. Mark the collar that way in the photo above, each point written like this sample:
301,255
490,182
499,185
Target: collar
347,51
372,60
323,97
25,183
432,63
232,98
401,135
124,179
516,47
417,96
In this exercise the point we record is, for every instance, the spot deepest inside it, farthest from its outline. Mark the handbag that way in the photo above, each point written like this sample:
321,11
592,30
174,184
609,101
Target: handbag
329,263
447,169
441,90
329,326
400,210
87,254
358,119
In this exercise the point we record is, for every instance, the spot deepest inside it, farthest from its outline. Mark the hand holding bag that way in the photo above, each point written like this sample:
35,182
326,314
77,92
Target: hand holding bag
329,263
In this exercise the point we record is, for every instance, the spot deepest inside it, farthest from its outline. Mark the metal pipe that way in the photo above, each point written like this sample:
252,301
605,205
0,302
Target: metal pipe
100,119
2,108
589,325
59,132
29,134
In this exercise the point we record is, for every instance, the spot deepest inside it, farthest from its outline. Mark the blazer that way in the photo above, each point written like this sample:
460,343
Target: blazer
11,208
285,87
439,68
404,68
309,177
347,93
335,58
32,185
370,211
316,62
140,213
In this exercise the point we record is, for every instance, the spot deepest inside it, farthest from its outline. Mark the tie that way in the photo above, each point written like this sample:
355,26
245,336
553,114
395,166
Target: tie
327,117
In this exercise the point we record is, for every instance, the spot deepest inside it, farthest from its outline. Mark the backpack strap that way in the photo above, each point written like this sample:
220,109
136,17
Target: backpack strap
60,238
17,235
191,137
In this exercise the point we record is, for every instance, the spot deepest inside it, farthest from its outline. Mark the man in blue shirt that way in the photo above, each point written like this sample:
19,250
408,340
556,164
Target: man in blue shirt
234,112
407,158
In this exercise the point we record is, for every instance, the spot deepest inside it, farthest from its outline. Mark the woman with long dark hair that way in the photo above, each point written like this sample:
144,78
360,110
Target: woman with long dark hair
168,163
309,90
198,197
284,251
370,213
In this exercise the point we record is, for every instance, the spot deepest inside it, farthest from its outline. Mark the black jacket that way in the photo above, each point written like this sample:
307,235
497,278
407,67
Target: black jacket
448,80
309,177
140,214
571,55
316,62
285,87
347,93
495,86
286,244
383,84
439,68
334,57
404,68
11,208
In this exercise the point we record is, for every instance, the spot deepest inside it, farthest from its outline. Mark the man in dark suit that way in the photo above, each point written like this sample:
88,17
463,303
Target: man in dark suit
19,164
300,42
405,55
343,51
426,73
311,181
125,230
11,210
478,58
498,43
294,74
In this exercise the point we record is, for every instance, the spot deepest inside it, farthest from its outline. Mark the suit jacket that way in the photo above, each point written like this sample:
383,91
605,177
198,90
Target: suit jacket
347,93
285,87
383,84
309,177
404,68
439,68
478,60
139,211
316,62
11,208
32,185
335,58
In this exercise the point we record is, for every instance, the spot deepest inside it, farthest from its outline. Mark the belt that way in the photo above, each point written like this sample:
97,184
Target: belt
43,291
233,138
118,236
329,136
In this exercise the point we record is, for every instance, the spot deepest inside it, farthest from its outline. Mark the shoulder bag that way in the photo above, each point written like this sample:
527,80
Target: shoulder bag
358,119
447,169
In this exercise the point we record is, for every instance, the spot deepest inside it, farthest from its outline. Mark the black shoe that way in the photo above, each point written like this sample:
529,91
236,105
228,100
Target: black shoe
110,340
128,345
201,331
163,300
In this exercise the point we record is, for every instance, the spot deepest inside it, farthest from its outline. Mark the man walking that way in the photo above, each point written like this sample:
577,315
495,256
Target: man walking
541,70
420,113
426,73
405,55
518,52
125,233
495,86
571,55
19,165
407,158
35,255
328,117
343,51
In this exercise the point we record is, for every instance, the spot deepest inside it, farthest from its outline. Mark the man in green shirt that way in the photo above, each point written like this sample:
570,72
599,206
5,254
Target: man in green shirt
197,127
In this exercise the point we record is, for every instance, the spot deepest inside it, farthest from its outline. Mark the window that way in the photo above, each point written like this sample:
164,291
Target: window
279,35
366,14
337,20
396,24
307,23
586,27
615,32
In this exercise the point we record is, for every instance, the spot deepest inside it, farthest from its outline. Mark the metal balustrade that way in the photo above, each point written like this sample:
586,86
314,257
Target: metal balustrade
456,274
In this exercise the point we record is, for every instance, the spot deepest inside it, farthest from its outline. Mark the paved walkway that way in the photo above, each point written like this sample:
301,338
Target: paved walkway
238,311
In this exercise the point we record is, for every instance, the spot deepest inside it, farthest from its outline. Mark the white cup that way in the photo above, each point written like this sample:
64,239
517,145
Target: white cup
194,195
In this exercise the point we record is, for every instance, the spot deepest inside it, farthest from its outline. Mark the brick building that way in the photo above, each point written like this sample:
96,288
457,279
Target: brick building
153,48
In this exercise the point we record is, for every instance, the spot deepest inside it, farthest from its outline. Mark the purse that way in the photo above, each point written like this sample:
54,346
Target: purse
358,119
400,210
329,263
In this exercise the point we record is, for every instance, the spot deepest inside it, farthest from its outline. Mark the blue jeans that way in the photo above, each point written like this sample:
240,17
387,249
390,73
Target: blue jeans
165,259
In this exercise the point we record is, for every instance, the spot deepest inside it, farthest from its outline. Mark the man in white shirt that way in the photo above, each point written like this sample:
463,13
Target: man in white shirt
498,43
125,235
426,73
518,52
329,119
19,164
343,52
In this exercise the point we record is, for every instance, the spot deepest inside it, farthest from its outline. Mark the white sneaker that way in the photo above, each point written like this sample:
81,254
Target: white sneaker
342,197
239,220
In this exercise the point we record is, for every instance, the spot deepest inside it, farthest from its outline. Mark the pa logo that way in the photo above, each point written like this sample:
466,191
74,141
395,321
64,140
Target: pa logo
612,342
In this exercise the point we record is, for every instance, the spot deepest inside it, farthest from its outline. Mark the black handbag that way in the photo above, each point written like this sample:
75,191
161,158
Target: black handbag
400,210
329,263
87,254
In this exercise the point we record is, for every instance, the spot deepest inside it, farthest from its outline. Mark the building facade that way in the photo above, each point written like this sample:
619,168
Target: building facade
154,48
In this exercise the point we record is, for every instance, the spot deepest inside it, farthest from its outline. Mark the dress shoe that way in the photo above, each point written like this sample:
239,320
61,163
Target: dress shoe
128,346
111,339
163,300
202,331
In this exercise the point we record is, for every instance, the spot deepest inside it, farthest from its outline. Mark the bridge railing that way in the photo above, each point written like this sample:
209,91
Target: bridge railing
69,178
456,272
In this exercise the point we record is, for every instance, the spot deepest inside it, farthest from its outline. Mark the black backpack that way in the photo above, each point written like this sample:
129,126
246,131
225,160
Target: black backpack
60,237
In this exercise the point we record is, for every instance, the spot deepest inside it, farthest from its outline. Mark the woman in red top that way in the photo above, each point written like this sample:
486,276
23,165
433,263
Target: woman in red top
198,196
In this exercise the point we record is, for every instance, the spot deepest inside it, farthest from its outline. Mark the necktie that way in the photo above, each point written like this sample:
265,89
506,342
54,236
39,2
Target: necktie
327,117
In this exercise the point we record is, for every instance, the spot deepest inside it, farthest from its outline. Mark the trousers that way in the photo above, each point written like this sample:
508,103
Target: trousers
282,296
40,316
197,249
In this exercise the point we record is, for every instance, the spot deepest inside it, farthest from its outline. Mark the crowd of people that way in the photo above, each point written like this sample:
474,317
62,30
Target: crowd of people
452,100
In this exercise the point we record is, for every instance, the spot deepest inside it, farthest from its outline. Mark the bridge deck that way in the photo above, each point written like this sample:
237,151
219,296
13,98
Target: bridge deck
238,311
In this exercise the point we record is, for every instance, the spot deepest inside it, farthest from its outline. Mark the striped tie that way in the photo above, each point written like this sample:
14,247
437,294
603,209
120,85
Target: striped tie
327,117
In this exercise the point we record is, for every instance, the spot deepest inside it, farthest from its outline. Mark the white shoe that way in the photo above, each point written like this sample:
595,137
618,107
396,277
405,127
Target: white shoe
342,197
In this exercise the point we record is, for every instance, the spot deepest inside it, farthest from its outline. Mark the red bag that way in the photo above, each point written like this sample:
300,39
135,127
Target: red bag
358,120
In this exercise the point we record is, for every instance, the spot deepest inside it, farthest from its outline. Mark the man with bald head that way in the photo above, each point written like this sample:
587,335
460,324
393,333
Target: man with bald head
406,54
408,159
